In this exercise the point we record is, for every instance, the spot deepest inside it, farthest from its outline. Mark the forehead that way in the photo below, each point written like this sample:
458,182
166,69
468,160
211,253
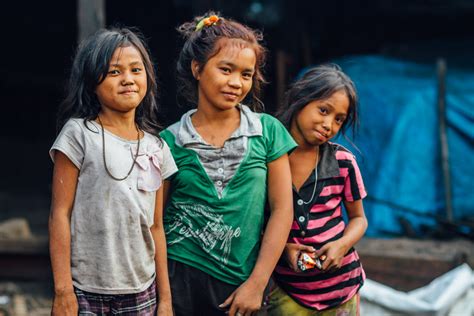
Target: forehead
339,101
234,50
129,53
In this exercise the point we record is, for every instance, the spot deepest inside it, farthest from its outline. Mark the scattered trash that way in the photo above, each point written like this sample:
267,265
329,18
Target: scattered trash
449,291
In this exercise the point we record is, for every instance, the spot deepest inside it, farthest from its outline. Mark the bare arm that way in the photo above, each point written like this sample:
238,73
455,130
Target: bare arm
65,176
161,263
166,192
355,229
248,297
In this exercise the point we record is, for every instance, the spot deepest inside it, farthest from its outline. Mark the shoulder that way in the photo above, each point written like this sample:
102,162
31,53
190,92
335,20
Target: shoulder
74,124
340,151
79,126
344,156
169,134
271,124
266,118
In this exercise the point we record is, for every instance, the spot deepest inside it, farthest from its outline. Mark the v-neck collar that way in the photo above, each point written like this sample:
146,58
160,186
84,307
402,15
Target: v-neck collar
250,125
328,166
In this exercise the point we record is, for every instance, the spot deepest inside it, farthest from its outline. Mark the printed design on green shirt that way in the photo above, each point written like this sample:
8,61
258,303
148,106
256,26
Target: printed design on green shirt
206,228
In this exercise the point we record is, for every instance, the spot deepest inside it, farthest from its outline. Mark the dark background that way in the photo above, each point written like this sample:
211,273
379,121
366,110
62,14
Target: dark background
39,39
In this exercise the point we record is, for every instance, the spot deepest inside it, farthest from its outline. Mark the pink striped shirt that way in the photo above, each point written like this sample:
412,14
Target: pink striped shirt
319,222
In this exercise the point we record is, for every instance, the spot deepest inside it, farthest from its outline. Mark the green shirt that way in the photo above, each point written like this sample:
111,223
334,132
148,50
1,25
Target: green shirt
221,236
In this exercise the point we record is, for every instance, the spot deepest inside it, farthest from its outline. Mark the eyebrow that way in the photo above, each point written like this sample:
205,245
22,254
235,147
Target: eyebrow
228,63
326,103
133,63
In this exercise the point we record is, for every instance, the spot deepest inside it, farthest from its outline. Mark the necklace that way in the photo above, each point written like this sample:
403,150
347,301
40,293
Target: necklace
103,152
315,180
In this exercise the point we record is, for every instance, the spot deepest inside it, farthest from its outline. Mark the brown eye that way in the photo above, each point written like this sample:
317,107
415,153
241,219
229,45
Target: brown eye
247,75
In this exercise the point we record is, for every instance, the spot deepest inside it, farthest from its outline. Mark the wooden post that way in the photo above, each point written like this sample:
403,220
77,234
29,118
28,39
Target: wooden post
90,17
280,74
441,71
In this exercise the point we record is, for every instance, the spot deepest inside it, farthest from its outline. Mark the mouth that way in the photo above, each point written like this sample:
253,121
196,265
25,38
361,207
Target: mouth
322,136
231,96
128,92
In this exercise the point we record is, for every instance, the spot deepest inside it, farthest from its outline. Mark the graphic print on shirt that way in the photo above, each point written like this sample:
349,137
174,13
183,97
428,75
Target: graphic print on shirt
207,229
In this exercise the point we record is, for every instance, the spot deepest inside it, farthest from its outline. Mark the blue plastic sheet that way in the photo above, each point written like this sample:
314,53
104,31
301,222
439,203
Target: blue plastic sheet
398,143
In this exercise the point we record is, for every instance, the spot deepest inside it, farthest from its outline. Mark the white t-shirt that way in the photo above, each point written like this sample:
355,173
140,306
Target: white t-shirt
112,249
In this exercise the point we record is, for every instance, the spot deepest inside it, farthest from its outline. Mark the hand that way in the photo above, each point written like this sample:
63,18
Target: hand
292,253
165,308
65,304
245,300
334,252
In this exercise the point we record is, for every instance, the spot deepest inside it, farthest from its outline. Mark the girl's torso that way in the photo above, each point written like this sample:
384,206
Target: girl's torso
318,220
112,250
214,217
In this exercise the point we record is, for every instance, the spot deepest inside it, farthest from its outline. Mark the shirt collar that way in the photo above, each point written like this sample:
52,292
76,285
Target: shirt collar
328,167
250,125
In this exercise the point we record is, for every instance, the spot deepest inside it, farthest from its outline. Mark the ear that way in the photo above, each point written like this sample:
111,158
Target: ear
195,69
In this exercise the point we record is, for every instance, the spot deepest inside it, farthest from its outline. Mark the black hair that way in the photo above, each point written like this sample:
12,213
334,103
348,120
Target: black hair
319,83
90,67
201,45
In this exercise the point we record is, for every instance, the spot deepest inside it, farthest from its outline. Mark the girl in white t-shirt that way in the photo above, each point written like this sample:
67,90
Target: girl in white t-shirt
107,244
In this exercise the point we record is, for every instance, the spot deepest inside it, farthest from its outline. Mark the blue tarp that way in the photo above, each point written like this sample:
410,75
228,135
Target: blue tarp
399,147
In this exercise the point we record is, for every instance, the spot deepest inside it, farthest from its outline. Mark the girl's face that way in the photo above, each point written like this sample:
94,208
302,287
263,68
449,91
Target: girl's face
226,78
320,120
125,85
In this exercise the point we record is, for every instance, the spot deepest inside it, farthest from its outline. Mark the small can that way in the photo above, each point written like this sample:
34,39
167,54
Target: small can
306,262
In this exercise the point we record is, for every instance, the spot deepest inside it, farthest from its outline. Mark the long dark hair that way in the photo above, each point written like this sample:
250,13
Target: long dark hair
90,66
319,83
200,45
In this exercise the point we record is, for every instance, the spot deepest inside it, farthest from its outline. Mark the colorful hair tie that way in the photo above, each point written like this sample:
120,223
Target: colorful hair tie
212,20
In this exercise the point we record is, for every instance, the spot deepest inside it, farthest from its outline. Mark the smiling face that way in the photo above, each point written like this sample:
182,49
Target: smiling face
320,120
227,77
125,85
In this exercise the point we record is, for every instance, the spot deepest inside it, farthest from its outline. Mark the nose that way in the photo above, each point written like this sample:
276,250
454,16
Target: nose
327,123
235,81
127,78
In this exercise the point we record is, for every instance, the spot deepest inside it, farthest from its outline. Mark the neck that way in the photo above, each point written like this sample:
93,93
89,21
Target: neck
212,117
118,120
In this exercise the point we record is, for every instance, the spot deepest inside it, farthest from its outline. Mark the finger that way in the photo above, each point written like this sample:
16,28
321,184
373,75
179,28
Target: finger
234,309
327,264
228,301
306,248
321,251
293,265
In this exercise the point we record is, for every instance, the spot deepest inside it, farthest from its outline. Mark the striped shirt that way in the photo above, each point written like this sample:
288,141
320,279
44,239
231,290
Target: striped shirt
319,222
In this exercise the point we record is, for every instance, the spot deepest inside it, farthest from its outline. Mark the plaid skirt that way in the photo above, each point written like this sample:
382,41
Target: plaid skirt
143,303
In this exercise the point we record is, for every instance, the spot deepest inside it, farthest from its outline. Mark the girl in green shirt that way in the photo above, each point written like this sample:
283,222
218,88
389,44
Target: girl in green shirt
231,160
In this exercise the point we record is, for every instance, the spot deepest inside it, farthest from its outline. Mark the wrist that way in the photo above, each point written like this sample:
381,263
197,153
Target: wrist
164,296
344,245
63,290
258,282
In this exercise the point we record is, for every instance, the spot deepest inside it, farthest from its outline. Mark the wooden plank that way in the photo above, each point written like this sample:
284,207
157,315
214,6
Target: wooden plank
406,264
90,17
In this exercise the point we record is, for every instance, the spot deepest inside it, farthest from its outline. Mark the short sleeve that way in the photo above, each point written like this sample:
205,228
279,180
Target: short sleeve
354,188
278,139
70,142
169,166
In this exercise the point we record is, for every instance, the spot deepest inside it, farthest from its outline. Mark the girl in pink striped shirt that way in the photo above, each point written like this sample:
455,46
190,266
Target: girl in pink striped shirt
325,175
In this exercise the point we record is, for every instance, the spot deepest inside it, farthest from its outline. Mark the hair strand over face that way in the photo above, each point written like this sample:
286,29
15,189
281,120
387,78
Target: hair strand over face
319,83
